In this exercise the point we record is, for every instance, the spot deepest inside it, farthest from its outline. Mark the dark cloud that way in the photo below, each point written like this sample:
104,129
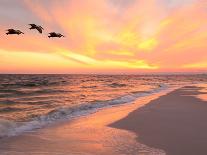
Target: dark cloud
14,12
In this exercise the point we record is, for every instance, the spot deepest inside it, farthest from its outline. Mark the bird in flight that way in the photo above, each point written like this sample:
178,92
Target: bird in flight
13,31
37,27
54,34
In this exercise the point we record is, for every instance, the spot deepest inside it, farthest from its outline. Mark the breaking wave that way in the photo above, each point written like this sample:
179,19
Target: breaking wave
12,128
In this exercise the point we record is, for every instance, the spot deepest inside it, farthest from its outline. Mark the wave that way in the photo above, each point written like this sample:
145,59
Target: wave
116,85
11,128
33,82
22,93
9,109
8,102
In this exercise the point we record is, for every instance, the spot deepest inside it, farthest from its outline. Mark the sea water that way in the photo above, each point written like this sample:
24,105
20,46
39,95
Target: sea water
28,102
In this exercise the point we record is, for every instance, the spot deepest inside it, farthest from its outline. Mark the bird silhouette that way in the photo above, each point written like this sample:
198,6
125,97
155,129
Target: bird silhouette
54,34
37,27
13,31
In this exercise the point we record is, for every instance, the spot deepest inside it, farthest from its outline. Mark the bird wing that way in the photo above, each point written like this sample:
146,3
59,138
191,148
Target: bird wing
10,30
19,31
61,35
52,33
33,25
39,29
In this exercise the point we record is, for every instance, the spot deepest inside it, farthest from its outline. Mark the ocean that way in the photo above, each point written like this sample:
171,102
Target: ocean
29,102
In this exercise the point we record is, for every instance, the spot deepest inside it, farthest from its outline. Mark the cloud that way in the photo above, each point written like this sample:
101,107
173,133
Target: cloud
134,34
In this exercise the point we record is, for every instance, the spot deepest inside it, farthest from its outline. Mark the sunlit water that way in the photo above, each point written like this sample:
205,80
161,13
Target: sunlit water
33,101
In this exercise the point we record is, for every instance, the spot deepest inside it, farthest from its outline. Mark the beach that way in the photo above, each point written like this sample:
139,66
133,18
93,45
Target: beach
164,123
87,135
175,122
103,77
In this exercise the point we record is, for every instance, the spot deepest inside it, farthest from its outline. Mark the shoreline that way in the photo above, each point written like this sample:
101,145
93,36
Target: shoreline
107,131
85,135
11,128
174,122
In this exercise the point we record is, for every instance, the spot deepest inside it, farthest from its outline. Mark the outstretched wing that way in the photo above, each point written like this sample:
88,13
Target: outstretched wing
18,31
10,30
39,29
33,25
52,33
61,35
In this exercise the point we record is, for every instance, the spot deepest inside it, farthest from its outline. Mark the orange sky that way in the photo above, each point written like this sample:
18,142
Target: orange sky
104,36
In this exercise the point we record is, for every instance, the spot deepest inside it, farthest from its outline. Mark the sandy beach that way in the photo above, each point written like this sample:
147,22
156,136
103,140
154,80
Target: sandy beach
103,77
172,123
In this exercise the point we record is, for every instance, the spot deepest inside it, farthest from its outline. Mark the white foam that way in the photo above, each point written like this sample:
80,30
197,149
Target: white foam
10,128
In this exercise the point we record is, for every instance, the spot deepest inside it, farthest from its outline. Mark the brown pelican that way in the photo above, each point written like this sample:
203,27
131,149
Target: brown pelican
37,27
12,31
54,34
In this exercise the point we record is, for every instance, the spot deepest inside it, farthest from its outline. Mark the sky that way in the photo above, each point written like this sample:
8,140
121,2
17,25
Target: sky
104,36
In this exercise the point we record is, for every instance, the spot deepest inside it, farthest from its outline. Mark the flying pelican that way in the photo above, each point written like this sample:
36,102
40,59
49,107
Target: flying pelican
37,27
12,31
54,34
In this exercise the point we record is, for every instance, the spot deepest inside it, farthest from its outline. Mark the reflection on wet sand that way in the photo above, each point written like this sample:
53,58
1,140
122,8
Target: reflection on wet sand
203,92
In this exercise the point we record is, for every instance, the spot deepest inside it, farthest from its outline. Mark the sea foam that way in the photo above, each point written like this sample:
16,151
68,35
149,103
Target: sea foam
11,128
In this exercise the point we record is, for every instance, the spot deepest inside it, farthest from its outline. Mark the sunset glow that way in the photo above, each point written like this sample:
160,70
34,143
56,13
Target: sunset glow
104,36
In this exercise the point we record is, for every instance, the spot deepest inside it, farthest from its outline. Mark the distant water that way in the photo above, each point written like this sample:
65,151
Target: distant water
33,101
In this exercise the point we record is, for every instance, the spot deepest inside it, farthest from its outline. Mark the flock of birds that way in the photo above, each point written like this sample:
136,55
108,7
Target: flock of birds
38,28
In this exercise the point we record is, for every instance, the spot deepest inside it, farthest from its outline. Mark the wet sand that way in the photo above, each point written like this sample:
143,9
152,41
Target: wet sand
175,122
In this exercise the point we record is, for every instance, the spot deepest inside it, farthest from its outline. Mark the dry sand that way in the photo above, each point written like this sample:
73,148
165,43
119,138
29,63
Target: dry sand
175,123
